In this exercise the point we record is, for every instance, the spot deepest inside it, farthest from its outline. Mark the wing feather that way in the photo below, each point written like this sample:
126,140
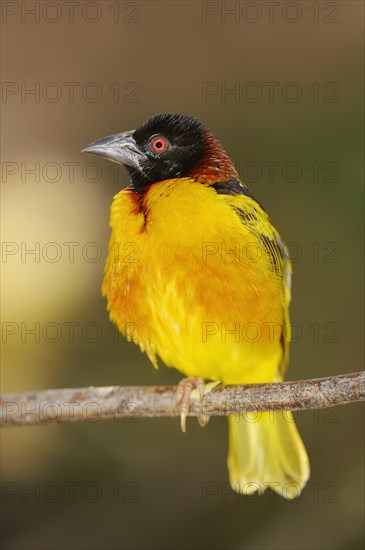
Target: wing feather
254,217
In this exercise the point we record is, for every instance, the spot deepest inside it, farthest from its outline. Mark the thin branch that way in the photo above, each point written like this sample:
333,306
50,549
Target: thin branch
132,402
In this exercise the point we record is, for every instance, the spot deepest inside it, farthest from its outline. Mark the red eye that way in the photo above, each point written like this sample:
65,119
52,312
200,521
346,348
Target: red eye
159,144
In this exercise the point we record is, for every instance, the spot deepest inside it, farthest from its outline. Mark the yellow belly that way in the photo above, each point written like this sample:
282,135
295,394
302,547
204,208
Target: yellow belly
189,282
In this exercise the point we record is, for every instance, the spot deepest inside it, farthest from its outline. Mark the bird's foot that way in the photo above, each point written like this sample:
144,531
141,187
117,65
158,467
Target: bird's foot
190,388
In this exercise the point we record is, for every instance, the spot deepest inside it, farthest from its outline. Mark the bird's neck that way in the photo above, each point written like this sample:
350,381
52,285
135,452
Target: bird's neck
215,165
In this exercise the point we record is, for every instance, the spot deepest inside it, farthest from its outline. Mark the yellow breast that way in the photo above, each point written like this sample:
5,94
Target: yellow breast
189,281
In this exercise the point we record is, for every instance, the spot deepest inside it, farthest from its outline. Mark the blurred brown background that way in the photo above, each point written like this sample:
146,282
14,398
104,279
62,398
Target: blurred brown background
102,67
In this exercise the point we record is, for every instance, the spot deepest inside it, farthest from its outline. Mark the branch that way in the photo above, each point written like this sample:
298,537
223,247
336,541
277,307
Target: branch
131,402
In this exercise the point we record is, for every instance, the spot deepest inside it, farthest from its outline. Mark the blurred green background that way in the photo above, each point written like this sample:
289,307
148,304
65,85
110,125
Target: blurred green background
103,67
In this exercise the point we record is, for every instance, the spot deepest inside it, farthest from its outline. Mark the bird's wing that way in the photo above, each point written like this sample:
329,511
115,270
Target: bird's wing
254,217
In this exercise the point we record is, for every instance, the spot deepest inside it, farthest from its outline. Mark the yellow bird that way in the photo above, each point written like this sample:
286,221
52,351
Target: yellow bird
200,273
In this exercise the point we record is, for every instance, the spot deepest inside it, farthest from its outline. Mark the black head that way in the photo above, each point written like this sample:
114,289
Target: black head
165,146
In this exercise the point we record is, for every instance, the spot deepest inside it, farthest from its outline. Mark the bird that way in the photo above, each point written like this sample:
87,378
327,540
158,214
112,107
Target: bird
200,272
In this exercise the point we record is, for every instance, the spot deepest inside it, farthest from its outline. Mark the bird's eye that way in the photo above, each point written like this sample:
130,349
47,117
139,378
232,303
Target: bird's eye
159,144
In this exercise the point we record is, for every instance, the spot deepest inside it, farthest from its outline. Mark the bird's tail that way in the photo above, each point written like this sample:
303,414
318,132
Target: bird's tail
265,450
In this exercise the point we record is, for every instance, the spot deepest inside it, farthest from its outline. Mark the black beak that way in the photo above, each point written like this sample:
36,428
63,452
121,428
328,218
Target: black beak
120,148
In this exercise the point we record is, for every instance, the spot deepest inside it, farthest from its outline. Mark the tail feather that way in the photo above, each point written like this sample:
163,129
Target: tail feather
265,450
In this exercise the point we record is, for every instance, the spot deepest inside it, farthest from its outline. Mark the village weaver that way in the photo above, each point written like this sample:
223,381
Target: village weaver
197,268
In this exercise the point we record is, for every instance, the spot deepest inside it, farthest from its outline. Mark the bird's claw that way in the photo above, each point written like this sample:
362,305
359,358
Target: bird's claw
183,394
